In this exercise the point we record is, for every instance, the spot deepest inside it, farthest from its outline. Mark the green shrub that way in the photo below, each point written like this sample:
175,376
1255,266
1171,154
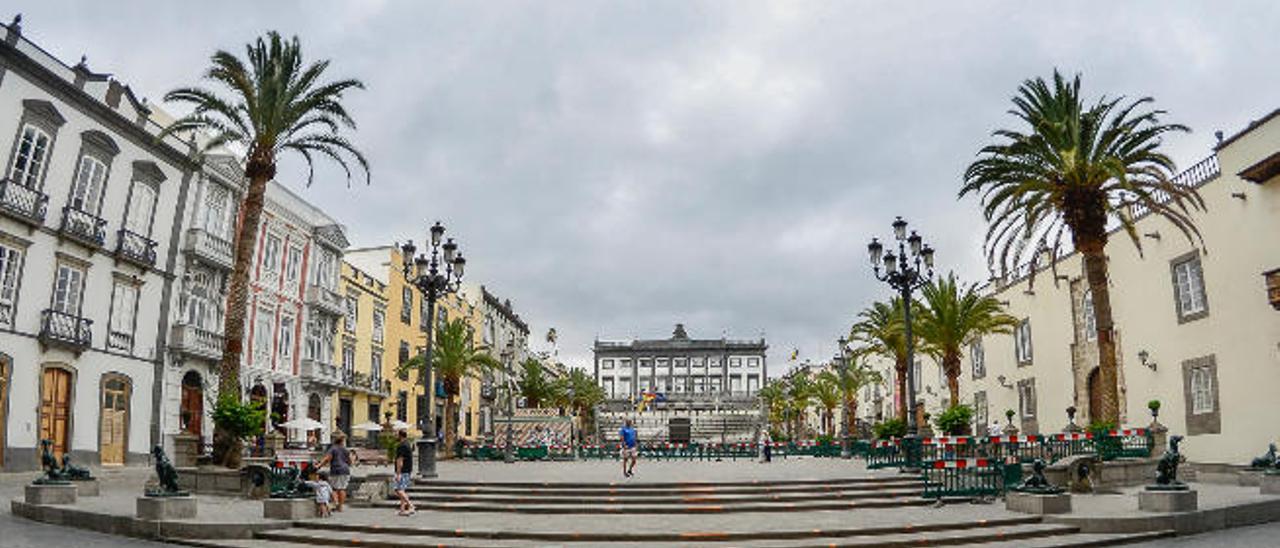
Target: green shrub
1100,428
241,420
825,439
1153,405
891,428
389,441
955,420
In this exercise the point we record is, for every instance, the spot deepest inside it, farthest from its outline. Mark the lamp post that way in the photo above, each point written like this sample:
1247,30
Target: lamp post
843,359
907,271
508,450
435,274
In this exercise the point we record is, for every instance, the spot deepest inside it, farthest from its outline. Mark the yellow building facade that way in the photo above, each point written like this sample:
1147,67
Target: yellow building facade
362,393
405,337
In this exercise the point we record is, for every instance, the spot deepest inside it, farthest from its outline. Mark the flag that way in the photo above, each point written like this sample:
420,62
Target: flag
795,353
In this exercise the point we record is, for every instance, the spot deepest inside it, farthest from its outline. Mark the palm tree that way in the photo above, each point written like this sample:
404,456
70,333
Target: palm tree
827,391
454,358
1078,168
275,103
772,395
880,331
799,392
584,396
849,381
952,316
535,388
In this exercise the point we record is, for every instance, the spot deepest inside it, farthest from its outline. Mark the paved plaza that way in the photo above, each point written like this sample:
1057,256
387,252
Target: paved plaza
448,524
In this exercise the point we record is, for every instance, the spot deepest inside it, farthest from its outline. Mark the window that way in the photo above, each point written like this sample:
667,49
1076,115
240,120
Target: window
325,268
607,385
142,205
753,384
1087,316
10,264
353,312
1201,391
978,358
286,340
915,376
271,254
735,362
753,362
375,367
348,359
67,288
263,331
124,311
1188,288
315,328
204,300
735,383
423,315
1027,398
216,211
443,318
1022,342
86,190
293,266
402,406
406,306
379,322
624,364
606,364
29,162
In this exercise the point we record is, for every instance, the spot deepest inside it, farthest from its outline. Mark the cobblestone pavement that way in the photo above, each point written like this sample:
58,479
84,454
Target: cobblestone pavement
1258,536
16,532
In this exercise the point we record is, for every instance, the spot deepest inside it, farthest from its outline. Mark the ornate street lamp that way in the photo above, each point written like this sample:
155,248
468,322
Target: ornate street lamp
508,450
907,271
842,358
435,274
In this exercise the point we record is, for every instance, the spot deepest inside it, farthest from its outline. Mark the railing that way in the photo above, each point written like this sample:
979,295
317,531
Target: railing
84,226
195,341
136,247
980,477
66,329
1192,177
320,371
212,248
27,204
119,341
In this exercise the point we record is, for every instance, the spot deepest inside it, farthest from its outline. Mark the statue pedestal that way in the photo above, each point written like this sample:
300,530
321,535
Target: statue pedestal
1269,484
87,488
289,509
186,449
166,508
1039,504
1186,500
51,494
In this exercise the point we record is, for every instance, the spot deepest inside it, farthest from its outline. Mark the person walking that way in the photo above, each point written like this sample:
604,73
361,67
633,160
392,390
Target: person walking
404,474
339,460
630,448
766,445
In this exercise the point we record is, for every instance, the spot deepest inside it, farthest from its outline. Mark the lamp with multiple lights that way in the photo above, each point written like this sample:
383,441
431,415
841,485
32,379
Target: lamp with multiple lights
436,272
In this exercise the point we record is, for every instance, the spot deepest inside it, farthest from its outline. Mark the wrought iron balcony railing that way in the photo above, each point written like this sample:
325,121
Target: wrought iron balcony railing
136,248
84,227
58,328
27,205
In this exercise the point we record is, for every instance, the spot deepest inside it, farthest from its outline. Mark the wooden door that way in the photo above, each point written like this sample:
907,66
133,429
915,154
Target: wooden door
191,410
55,409
115,420
1095,395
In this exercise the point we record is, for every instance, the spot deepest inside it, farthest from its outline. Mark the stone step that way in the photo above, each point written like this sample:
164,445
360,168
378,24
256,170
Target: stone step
388,539
682,508
672,498
621,489
1077,540
661,484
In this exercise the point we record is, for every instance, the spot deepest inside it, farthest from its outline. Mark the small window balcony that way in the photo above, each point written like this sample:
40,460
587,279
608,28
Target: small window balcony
318,372
83,227
326,300
65,330
195,342
26,205
136,248
209,248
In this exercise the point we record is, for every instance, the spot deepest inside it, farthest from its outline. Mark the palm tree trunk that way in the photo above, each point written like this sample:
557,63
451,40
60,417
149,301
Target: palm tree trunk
951,364
226,447
1095,267
901,368
450,424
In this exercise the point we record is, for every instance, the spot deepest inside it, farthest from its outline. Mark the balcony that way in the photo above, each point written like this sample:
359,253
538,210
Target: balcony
209,248
325,299
136,249
27,205
83,227
196,342
321,373
65,330
362,382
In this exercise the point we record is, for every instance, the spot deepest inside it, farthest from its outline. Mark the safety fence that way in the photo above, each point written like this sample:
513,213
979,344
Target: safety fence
665,451
969,477
1127,443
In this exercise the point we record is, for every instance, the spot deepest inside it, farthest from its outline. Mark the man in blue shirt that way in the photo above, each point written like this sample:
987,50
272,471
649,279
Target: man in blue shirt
630,448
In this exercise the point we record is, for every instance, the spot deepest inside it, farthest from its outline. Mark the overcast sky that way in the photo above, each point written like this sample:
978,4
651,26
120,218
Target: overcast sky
615,168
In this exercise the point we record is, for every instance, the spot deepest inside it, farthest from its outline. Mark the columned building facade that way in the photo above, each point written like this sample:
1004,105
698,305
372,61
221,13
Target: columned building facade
680,366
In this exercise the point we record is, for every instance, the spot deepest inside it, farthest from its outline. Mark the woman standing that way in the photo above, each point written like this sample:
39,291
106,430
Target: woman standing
339,460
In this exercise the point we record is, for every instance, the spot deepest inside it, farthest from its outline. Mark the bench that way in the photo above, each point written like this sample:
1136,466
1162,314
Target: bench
374,457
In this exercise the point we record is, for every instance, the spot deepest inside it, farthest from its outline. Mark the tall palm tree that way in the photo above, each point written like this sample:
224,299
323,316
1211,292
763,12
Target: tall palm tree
954,315
849,381
454,358
583,398
880,331
1075,169
534,385
826,391
273,103
772,395
799,398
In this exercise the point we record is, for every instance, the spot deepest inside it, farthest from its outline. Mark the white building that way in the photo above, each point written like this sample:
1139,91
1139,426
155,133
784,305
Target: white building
680,366
88,240
1195,327
507,337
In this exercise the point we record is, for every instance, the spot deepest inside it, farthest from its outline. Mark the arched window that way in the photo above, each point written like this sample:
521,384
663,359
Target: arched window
1088,317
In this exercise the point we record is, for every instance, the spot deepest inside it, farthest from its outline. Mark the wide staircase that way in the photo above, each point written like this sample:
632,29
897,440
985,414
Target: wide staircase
853,512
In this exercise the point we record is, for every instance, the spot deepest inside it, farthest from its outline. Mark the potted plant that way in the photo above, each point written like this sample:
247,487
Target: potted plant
954,421
1154,406
240,421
